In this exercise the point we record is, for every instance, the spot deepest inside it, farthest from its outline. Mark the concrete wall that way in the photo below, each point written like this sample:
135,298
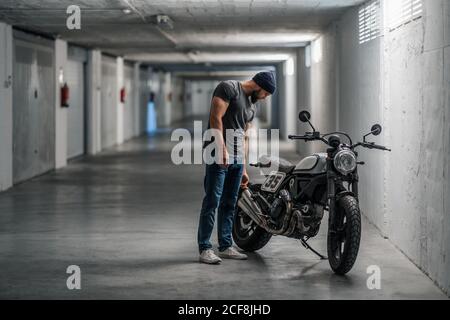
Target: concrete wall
323,85
402,80
360,101
288,109
6,118
303,93
317,86
416,108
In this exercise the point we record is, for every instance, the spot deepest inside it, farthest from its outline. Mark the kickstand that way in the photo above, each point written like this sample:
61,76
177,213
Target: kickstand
304,242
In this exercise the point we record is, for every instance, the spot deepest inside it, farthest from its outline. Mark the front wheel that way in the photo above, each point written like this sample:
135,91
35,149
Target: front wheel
343,242
247,234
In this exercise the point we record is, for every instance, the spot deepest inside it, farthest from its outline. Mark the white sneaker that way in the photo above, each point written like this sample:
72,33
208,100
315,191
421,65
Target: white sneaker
209,257
232,253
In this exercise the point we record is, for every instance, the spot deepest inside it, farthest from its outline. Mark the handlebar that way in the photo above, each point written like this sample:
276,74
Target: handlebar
317,137
309,136
371,145
306,138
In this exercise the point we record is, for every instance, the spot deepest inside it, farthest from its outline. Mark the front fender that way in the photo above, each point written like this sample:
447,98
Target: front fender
342,194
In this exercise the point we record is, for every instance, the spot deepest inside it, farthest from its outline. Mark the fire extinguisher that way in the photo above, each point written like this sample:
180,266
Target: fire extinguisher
122,95
65,96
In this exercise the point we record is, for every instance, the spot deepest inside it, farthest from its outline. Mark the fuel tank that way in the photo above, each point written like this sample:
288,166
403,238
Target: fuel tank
315,164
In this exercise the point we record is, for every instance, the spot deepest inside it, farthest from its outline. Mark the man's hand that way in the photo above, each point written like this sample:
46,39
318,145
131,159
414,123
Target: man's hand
245,180
225,157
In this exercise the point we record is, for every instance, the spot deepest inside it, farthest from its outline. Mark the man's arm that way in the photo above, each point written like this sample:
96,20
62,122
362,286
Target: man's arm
218,109
245,177
248,126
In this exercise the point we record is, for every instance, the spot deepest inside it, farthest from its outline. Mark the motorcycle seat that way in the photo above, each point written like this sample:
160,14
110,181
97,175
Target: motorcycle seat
283,165
286,169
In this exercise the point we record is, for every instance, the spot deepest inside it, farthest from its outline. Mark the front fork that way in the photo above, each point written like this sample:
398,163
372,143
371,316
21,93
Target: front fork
331,196
332,180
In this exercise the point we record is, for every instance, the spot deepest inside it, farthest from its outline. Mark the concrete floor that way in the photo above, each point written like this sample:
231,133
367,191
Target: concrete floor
128,218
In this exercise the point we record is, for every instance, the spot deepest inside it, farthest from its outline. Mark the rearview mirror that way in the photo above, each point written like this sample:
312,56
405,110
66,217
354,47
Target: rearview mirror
376,130
304,116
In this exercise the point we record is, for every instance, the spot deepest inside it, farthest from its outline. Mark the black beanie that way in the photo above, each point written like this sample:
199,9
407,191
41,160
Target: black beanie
266,80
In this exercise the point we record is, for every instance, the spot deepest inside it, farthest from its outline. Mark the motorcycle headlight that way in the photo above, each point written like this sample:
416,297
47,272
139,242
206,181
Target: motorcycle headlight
345,162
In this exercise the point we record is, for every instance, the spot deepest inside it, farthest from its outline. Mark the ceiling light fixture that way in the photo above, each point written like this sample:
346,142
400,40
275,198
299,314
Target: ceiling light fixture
164,22
126,11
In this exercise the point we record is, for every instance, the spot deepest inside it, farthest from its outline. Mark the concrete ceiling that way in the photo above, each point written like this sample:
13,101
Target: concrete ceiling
199,26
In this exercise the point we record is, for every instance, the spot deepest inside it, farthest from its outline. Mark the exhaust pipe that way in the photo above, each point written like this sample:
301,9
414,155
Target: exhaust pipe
252,209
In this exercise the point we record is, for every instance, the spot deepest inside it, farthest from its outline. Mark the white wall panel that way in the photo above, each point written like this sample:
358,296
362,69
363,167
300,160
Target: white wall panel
6,118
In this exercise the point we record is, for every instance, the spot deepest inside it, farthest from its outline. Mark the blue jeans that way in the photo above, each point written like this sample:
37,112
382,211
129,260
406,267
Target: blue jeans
221,192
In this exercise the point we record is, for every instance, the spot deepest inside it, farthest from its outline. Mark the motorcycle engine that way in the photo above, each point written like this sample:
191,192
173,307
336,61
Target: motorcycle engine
278,205
274,205
312,215
276,209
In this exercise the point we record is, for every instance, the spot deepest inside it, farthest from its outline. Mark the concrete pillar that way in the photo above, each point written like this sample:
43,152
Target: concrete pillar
120,105
187,110
164,103
137,99
94,78
303,92
60,112
289,119
6,117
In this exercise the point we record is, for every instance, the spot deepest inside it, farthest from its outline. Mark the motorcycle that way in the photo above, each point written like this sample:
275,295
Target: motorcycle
292,200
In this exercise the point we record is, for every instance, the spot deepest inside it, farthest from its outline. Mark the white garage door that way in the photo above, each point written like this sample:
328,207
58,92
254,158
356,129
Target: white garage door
33,107
75,113
110,95
128,112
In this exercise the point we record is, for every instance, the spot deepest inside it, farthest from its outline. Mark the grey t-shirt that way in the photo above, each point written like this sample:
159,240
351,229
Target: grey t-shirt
240,110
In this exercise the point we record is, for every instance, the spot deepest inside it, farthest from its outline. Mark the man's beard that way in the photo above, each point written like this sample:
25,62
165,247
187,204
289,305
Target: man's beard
254,96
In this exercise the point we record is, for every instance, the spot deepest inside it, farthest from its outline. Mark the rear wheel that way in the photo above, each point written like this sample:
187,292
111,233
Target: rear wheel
247,235
343,243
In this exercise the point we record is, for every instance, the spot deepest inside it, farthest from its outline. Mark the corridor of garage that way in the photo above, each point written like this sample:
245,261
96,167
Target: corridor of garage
86,117
118,216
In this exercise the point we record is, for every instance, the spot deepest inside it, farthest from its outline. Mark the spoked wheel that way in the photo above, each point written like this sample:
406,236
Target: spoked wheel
247,234
343,243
